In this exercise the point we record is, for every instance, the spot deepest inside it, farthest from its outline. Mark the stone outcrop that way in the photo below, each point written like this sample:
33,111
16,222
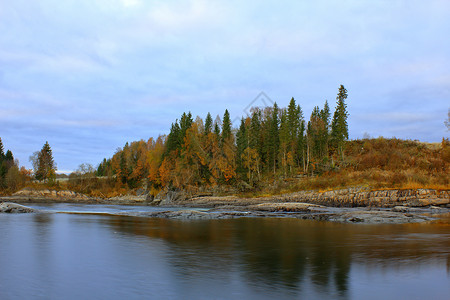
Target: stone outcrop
351,197
6,207
44,196
384,198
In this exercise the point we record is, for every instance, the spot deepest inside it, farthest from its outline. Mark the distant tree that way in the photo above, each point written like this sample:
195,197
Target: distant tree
273,138
173,141
13,178
294,119
241,144
208,124
339,126
217,127
46,167
2,153
185,123
285,139
255,134
226,127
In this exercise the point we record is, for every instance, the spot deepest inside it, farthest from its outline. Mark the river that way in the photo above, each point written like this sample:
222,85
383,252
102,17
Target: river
99,256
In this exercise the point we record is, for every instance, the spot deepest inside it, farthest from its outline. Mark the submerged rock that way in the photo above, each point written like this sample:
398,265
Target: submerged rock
6,207
378,217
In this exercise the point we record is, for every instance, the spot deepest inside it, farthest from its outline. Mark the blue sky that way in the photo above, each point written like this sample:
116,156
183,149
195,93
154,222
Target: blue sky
90,75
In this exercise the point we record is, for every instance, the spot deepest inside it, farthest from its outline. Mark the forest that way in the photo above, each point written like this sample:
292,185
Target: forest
273,150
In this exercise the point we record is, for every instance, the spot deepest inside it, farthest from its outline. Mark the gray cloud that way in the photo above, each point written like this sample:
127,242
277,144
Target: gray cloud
90,75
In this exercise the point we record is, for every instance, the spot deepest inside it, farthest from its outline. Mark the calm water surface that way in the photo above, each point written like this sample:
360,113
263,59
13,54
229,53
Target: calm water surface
89,256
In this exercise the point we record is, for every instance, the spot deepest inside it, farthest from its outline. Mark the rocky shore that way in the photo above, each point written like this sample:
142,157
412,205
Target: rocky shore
348,205
350,197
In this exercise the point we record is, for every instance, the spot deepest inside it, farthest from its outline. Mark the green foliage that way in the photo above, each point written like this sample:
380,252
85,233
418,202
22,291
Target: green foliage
339,126
208,124
46,167
226,126
272,142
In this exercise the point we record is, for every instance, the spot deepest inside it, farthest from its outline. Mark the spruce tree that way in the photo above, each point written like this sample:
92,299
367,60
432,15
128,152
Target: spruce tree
217,129
46,164
339,126
273,139
226,127
3,169
185,123
241,145
301,141
2,153
208,124
293,124
255,132
173,140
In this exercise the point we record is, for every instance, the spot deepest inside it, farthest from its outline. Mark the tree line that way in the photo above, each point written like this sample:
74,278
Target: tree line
272,142
13,177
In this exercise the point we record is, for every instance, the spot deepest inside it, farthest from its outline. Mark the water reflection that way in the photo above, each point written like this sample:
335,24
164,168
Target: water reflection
111,257
292,254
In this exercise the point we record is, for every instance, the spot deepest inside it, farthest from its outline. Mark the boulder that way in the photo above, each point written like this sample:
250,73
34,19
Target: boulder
8,207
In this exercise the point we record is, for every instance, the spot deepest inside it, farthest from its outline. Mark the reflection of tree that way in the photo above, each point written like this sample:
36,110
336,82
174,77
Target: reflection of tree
270,251
288,253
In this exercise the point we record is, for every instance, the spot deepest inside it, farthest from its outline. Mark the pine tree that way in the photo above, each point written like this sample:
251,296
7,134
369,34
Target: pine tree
46,164
2,153
226,127
3,169
241,145
293,125
185,123
339,126
208,124
217,128
272,137
173,141
255,132
324,130
284,140
301,141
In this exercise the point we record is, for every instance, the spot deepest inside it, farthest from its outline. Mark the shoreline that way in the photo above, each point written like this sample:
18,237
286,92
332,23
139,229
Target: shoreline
352,205
305,211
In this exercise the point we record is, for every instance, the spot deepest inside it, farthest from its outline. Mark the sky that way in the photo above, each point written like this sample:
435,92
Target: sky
89,75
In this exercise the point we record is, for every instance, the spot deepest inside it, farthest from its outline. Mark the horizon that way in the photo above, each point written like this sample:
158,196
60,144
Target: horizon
88,76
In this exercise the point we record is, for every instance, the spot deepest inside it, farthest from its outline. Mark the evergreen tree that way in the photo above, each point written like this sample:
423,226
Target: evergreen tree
3,169
226,127
2,153
324,130
293,125
9,159
46,164
185,123
272,138
339,126
285,139
301,140
217,128
173,140
241,145
255,132
208,124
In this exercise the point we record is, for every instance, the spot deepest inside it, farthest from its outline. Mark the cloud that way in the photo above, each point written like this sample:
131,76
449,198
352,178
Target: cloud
90,75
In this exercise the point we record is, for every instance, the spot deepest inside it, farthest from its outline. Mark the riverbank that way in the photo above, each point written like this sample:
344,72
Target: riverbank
349,197
363,215
352,205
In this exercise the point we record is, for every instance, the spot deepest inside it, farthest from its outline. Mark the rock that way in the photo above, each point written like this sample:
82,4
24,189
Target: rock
8,207
286,207
378,217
